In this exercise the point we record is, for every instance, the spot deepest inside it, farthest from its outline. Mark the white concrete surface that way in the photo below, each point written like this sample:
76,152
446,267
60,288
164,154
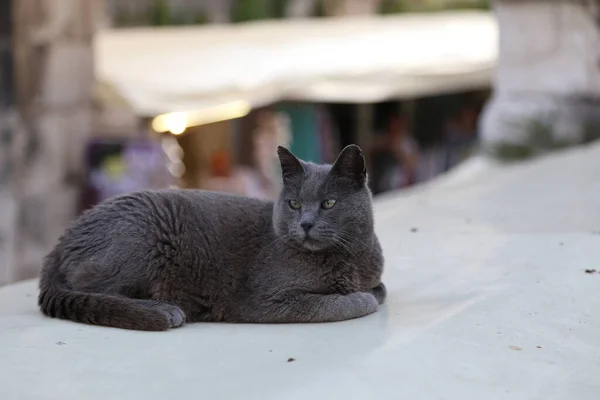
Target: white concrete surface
488,299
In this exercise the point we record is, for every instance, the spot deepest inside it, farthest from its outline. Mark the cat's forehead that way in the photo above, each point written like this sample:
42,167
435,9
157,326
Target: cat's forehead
316,182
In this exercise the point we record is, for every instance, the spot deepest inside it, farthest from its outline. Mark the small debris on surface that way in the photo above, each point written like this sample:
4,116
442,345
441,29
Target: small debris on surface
539,347
515,348
590,271
413,230
291,359
60,343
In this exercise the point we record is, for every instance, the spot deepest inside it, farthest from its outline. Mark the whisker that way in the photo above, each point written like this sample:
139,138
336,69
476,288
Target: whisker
347,245
342,241
272,244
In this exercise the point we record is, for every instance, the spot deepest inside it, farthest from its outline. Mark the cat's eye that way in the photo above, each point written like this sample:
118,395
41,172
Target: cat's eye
294,205
327,204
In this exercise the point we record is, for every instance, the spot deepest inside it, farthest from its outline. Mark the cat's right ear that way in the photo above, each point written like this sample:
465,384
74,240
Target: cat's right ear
351,163
290,165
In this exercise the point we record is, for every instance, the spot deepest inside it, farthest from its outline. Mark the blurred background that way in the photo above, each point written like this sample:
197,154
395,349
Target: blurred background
102,97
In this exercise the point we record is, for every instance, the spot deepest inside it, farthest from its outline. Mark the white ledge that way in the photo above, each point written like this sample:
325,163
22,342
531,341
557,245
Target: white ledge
488,299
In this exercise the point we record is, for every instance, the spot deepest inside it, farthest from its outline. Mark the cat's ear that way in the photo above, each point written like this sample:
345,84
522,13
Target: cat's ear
351,164
290,165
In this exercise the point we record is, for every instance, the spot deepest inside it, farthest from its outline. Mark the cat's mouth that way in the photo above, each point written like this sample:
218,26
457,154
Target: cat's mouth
312,244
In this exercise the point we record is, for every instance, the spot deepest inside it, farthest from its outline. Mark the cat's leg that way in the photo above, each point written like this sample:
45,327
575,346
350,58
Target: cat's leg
295,307
380,293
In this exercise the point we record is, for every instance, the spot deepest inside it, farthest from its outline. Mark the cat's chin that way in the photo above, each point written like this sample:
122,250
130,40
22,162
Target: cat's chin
311,245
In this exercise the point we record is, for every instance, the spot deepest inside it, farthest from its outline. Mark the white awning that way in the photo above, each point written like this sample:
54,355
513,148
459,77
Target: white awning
160,70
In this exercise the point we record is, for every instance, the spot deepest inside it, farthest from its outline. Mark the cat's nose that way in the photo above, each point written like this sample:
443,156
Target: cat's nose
306,225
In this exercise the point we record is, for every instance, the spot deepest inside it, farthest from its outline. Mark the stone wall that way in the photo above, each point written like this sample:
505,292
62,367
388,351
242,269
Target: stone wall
547,86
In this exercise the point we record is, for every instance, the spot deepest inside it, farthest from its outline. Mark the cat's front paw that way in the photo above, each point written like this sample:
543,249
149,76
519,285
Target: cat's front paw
174,314
380,293
364,304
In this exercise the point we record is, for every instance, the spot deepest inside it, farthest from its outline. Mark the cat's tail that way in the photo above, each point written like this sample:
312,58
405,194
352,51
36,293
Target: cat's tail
57,300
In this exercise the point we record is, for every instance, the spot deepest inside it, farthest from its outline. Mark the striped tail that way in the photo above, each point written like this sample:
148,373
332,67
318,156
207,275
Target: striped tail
57,300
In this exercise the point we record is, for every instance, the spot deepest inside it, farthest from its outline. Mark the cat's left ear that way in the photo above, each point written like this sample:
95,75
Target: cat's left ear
290,165
351,164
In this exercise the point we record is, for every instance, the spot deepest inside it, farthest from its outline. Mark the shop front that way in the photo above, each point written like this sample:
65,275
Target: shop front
218,100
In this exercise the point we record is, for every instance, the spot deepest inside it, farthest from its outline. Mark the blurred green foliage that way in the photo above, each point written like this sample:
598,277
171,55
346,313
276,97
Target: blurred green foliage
319,10
161,13
254,10
402,6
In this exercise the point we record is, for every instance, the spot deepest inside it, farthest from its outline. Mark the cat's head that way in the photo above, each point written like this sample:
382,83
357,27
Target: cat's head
324,207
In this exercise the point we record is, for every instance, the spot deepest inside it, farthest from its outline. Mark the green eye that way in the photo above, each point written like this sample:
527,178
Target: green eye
295,205
327,204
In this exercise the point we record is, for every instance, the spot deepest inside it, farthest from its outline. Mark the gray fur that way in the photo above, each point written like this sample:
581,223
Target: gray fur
152,260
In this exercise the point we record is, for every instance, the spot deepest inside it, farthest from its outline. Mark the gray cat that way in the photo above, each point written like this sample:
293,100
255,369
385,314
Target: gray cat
152,260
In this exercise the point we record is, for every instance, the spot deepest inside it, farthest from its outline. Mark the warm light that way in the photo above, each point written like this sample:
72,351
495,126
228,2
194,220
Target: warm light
178,122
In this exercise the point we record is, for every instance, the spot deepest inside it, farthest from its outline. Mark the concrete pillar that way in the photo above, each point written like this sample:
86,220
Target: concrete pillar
7,140
547,86
53,77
